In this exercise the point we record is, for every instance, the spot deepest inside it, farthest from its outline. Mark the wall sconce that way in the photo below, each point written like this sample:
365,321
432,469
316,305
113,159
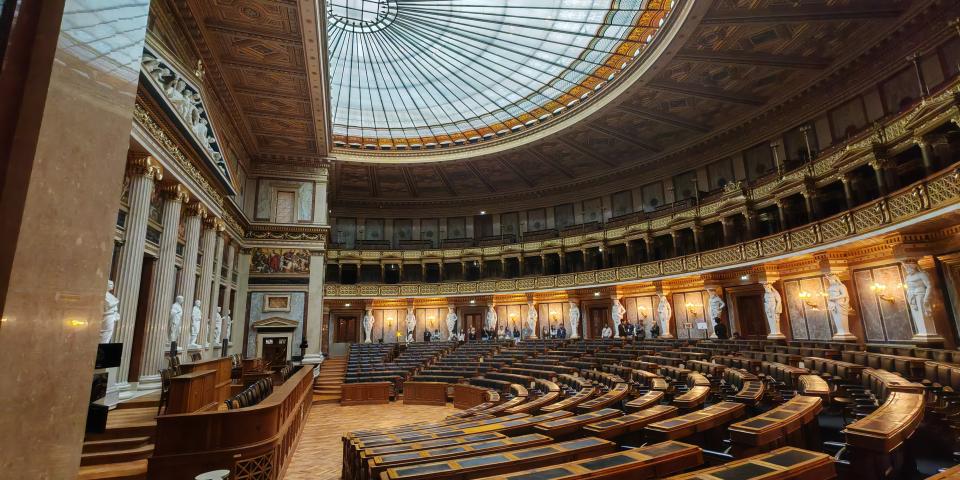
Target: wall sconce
642,312
431,322
807,298
692,308
880,290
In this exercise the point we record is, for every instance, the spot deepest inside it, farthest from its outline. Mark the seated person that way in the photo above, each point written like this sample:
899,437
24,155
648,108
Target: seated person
629,329
426,335
641,333
501,331
553,331
561,332
720,330
410,337
655,330
622,328
516,332
736,335
473,334
545,332
436,334
607,332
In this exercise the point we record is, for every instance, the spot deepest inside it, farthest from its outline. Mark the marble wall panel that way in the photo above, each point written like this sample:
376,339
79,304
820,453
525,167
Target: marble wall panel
510,224
536,219
430,230
720,173
267,192
808,317
373,229
685,185
886,317
592,210
691,321
848,118
457,227
642,310
563,215
297,303
555,312
652,196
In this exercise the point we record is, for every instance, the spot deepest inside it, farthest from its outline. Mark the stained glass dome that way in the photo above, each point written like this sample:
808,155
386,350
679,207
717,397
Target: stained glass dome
425,74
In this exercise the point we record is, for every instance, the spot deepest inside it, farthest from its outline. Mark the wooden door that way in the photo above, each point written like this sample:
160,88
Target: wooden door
345,331
750,316
599,317
274,350
474,320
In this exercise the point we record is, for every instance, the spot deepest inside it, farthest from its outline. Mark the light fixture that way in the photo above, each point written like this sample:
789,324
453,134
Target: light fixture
346,304
599,249
642,312
472,302
692,308
483,212
880,290
807,298
744,277
596,294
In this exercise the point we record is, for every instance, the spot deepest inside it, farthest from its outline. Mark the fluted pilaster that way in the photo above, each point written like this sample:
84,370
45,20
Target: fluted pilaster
188,277
227,297
215,289
157,332
143,172
209,242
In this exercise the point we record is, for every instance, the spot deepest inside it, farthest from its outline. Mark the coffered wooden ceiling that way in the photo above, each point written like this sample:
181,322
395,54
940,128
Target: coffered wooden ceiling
742,60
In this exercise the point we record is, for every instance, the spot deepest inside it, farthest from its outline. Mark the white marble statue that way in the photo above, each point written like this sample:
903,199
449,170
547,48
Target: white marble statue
918,289
111,314
838,304
227,326
490,322
532,317
176,316
368,326
451,322
195,317
411,322
772,308
154,68
664,312
574,320
216,327
617,312
715,304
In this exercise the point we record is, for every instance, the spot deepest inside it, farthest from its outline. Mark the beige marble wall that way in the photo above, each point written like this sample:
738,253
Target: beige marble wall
72,140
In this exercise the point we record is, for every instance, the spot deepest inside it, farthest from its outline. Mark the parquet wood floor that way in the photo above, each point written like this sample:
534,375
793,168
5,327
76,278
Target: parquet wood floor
320,453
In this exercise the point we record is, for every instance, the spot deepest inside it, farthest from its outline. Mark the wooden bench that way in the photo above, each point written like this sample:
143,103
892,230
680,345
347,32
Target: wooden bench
504,462
564,428
644,401
611,397
570,402
786,463
630,423
652,461
792,423
693,398
875,440
712,417
814,386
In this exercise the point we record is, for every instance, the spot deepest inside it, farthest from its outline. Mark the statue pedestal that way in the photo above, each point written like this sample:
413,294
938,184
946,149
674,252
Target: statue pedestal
312,359
927,338
844,337
113,393
150,382
667,335
776,336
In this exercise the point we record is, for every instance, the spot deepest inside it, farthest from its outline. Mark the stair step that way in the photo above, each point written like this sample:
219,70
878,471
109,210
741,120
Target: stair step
114,444
135,470
117,456
145,429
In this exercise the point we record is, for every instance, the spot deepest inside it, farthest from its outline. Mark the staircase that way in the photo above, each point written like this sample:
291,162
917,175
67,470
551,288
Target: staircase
122,450
326,387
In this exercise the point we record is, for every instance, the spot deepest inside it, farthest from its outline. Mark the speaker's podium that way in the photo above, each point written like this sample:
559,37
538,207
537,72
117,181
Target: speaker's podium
103,395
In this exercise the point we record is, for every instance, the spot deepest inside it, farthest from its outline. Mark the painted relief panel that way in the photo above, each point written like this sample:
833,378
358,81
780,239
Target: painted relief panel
807,309
280,260
688,311
883,306
720,173
552,314
622,203
685,185
900,90
345,232
593,210
457,227
510,224
848,119
652,196
641,310
563,215
260,310
373,229
402,230
758,161
430,230
536,219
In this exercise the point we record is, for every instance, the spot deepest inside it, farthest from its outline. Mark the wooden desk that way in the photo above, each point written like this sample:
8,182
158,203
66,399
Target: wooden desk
644,401
570,402
505,462
814,386
714,416
693,398
365,393
425,393
653,461
887,427
533,405
786,463
614,395
627,424
566,427
222,367
192,392
468,396
781,426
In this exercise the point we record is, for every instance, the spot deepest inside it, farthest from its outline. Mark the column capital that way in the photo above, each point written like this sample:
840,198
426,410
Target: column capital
214,222
174,191
145,165
196,209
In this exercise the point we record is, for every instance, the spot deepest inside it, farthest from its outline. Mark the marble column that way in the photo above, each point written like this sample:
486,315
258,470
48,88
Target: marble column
676,247
188,276
880,172
156,334
215,289
926,153
315,318
144,171
209,242
228,290
781,215
239,314
725,223
847,190
697,238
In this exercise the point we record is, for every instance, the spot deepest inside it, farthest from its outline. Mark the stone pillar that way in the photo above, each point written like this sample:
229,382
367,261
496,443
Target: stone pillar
918,68
156,334
777,163
562,257
647,250
188,277
750,218
215,289
673,238
809,201
725,223
315,317
209,242
880,172
926,152
240,301
697,237
143,172
781,214
847,190
228,290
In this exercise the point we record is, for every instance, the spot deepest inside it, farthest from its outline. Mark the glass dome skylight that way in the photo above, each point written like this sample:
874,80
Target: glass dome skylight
421,74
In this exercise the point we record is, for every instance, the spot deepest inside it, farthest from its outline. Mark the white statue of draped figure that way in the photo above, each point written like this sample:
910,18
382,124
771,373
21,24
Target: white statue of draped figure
574,320
411,321
216,326
617,313
919,288
176,317
368,326
532,317
838,304
111,314
490,322
715,304
772,308
196,315
227,327
664,312
451,322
